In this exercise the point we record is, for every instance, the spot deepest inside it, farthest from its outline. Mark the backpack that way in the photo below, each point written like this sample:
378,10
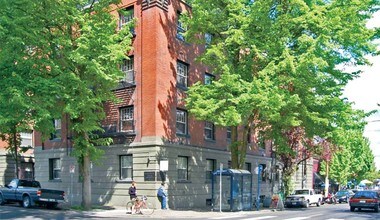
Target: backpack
160,192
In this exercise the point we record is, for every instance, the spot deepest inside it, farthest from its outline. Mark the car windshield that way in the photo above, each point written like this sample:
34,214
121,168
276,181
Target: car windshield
341,193
301,192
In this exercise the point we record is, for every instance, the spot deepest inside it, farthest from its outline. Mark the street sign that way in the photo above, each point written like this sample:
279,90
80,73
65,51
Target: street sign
72,169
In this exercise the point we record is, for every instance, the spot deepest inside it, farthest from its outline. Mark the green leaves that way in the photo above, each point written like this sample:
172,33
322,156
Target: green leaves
60,58
276,62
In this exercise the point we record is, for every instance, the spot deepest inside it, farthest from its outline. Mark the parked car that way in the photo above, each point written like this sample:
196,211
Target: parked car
365,199
29,193
303,198
344,195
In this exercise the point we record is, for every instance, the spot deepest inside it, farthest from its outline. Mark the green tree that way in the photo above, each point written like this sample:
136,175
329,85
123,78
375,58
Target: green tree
348,132
355,160
74,47
277,64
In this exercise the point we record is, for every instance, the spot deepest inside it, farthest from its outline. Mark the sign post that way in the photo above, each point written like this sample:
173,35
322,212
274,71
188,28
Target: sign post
72,171
259,170
220,187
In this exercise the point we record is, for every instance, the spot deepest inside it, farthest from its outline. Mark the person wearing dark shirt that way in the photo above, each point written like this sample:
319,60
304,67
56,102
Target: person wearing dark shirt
132,191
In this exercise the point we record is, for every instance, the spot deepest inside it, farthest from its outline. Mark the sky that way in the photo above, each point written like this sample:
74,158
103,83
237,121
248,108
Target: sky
365,93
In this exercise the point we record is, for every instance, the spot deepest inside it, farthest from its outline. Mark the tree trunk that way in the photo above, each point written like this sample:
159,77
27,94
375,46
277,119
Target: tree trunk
15,153
234,148
86,184
243,148
327,183
287,180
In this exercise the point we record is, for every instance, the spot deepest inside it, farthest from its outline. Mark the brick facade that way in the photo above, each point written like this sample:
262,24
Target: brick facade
155,97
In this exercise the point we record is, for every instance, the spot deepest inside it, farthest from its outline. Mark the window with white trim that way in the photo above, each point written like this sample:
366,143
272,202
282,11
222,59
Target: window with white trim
126,119
26,139
209,131
183,168
182,74
55,168
126,167
181,122
127,67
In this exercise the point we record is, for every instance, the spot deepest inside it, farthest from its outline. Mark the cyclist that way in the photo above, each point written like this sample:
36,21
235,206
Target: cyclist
133,197
132,191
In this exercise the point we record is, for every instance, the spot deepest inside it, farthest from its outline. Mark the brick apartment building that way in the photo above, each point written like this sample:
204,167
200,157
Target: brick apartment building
151,127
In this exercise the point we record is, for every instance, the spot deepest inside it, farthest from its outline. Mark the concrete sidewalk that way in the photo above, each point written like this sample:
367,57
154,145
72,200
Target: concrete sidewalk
120,212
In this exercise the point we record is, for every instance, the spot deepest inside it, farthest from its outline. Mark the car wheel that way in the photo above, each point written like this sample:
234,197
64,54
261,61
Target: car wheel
2,201
352,209
26,202
319,203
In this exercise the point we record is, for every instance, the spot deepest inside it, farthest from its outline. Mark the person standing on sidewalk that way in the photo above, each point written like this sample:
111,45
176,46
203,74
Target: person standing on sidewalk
162,195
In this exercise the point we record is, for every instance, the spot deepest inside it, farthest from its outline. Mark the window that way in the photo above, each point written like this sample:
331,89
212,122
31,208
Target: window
126,167
26,139
26,171
57,129
125,16
55,169
209,131
248,166
182,74
264,172
228,133
126,119
127,67
180,28
181,122
210,168
209,78
182,168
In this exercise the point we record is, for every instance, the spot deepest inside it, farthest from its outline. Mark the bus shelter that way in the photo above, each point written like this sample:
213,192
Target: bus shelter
231,190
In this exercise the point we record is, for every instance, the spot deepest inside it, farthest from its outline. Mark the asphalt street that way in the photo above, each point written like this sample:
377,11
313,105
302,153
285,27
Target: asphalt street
325,212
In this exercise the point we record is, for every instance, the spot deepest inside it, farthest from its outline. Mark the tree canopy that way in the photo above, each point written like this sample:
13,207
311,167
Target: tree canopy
276,66
61,58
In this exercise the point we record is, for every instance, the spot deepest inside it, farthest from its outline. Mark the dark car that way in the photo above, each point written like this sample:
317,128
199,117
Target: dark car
29,193
343,195
365,199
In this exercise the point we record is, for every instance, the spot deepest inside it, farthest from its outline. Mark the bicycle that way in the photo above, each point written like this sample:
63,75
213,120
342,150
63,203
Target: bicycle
141,206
